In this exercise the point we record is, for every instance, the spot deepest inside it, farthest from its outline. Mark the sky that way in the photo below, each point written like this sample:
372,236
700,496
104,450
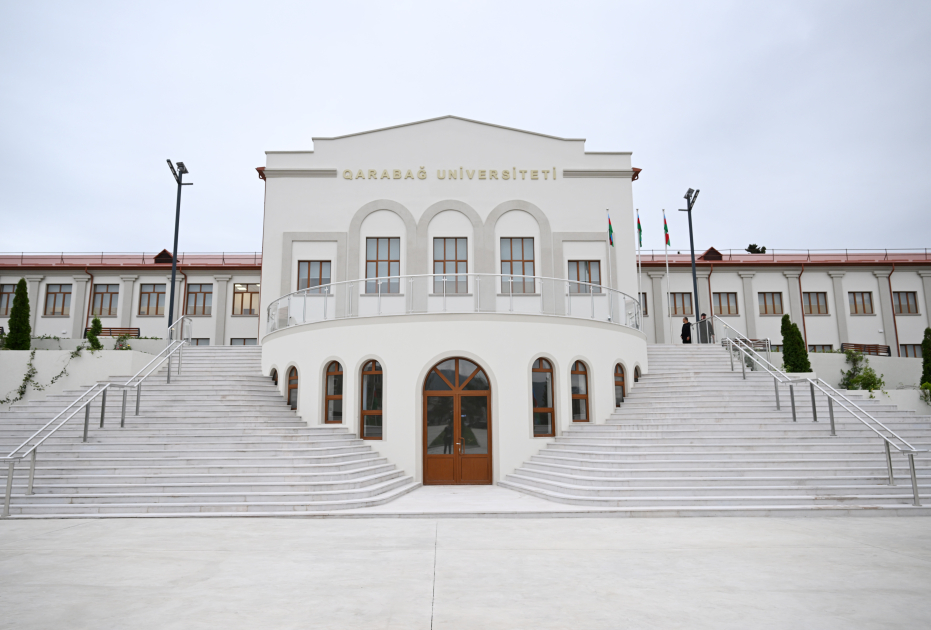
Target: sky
804,124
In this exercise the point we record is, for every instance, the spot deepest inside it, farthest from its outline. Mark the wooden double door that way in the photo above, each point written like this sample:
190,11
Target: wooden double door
457,424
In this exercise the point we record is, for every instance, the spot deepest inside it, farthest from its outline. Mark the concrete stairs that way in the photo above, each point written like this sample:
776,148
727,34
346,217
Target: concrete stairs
694,438
219,440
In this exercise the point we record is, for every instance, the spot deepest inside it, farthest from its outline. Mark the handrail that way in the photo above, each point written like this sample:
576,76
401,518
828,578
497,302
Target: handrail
420,298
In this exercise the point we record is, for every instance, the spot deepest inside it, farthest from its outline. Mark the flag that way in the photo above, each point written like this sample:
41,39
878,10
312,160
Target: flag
639,231
610,231
665,228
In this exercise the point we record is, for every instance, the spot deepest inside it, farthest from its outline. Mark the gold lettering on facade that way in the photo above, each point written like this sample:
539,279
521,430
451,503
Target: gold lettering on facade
441,174
360,175
396,173
533,175
505,174
408,174
452,173
462,173
373,174
470,173
546,174
384,174
347,174
492,174
523,174
554,172
481,174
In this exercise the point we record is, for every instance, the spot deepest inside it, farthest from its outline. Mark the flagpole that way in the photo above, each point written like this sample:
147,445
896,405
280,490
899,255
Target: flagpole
639,268
668,294
610,261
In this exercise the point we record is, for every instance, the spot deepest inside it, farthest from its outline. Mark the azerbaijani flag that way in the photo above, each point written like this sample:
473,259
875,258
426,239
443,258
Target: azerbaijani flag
665,228
610,230
639,230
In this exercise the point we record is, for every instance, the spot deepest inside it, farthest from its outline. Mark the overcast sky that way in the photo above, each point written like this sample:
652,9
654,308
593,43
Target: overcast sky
804,124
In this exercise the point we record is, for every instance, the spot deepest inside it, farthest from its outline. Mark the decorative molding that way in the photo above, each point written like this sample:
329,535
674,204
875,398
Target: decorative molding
301,172
586,173
882,273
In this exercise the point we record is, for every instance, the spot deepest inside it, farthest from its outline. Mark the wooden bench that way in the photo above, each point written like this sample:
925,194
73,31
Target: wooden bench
876,350
115,332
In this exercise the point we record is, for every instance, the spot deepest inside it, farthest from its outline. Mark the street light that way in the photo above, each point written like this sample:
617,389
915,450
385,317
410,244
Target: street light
178,175
691,196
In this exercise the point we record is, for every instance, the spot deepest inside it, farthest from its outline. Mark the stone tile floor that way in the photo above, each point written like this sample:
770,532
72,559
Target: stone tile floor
578,573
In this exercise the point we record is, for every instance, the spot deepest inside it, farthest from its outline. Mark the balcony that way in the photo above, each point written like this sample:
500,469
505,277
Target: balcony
462,293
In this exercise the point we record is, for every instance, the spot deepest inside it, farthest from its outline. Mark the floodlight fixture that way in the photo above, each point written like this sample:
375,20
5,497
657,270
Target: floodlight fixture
182,168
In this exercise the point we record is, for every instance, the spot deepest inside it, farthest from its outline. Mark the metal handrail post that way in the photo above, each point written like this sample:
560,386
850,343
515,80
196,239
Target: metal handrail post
743,367
510,294
730,353
138,396
444,294
169,370
123,409
9,488
591,292
103,405
181,356
378,285
831,413
776,385
889,463
911,469
568,300
541,293
87,418
792,398
32,472
814,406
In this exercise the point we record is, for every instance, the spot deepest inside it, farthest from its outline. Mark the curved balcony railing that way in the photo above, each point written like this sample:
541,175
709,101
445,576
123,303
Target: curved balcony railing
453,293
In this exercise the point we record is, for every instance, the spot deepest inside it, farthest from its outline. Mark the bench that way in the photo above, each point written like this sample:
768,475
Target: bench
115,332
876,350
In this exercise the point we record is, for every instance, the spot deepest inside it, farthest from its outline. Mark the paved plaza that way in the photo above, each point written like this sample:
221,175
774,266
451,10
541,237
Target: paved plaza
509,573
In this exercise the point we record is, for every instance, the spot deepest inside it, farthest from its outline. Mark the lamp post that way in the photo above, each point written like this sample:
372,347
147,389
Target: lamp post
690,197
179,174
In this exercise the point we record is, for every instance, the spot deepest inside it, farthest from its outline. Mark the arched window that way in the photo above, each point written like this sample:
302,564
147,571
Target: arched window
333,403
292,387
579,392
619,387
637,374
274,376
544,413
372,397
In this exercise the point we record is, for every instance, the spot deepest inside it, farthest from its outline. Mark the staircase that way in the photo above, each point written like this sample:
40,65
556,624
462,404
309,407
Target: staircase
694,438
219,440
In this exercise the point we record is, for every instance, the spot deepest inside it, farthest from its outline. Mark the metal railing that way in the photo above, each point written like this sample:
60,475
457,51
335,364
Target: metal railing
99,390
742,347
453,293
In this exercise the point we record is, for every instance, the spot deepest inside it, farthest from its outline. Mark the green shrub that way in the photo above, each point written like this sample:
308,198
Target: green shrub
860,375
794,352
20,336
926,358
96,329
925,392
122,343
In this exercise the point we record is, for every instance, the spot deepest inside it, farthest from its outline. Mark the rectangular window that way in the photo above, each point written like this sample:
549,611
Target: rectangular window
776,348
821,348
643,304
382,259
861,302
245,299
240,341
450,256
58,300
517,265
200,341
6,298
312,274
910,350
680,304
905,302
584,271
199,299
815,303
152,299
106,299
724,303
770,303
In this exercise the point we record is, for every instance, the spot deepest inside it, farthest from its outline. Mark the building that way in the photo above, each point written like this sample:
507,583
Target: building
879,297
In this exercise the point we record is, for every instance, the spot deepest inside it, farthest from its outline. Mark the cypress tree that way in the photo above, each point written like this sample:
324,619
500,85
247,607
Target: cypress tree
794,352
20,337
926,358
96,329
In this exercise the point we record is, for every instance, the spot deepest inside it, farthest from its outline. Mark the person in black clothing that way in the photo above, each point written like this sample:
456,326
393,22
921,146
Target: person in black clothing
686,331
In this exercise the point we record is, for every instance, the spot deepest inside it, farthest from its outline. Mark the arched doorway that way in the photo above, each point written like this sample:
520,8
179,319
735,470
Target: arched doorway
620,387
456,424
292,388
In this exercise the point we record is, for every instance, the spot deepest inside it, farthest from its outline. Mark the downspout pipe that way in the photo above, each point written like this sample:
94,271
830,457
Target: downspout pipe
801,298
895,324
182,303
90,301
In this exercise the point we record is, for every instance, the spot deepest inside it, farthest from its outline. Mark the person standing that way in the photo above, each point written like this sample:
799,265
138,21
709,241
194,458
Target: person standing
705,330
686,331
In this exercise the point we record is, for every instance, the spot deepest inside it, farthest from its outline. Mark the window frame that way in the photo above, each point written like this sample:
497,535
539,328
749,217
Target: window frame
373,284
583,372
854,306
644,311
717,304
584,289
207,308
911,299
807,305
254,341
308,264
547,370
512,286
196,341
253,298
6,299
767,300
622,382
824,348
674,304
159,297
66,301
113,300
292,384
327,397
460,281
915,349
375,370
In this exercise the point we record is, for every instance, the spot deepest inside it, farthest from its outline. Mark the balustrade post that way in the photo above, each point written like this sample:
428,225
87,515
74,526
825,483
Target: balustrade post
792,398
103,405
814,405
169,370
87,418
32,472
743,366
138,395
9,488
889,463
591,291
911,470
378,288
831,414
511,294
444,294
776,385
123,410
